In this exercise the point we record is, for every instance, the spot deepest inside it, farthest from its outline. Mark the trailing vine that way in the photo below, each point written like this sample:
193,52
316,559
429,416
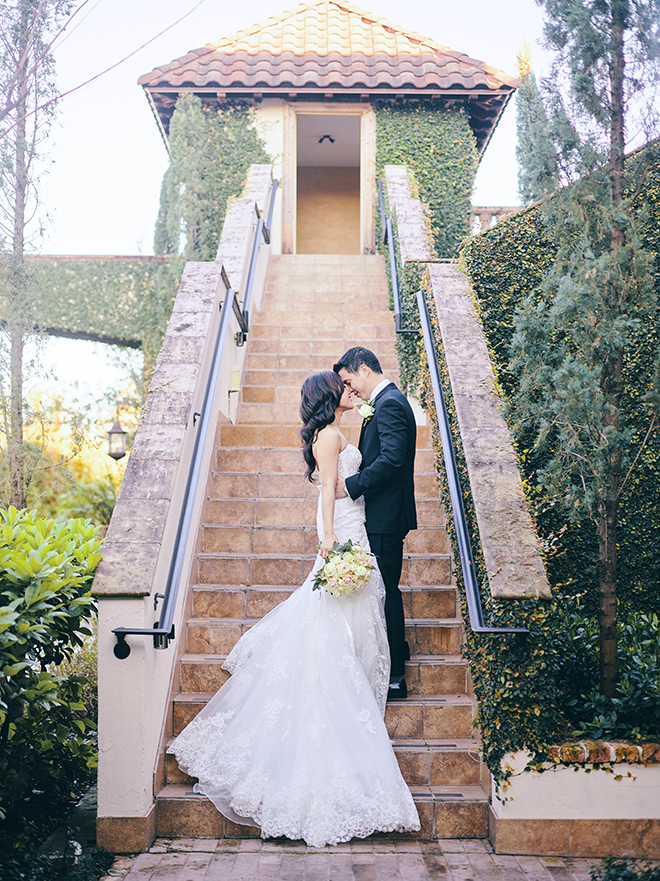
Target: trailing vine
111,299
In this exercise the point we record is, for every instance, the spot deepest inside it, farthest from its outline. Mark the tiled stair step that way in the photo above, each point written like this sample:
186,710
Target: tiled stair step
289,373
296,325
422,717
281,512
425,675
296,349
445,812
289,461
248,569
373,296
301,539
283,436
316,361
220,635
283,485
235,601
253,460
422,762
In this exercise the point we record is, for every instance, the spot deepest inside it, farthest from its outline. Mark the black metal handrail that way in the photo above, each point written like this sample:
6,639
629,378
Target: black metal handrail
262,231
473,597
389,239
163,629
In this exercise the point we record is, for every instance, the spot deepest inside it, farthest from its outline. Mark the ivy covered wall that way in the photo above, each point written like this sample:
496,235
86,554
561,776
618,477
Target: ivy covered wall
543,689
439,148
505,265
211,150
128,300
121,300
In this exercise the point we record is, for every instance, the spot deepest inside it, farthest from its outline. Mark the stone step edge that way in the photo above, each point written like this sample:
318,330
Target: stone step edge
425,660
468,794
410,622
290,588
229,555
188,697
444,744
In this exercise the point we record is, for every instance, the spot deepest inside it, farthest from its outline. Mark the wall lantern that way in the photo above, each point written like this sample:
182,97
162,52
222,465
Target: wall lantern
117,441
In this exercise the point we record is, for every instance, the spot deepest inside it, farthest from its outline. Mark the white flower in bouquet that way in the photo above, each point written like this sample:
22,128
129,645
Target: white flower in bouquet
345,571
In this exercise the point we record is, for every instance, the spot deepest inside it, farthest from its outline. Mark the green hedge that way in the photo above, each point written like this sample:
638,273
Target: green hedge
109,299
47,744
543,689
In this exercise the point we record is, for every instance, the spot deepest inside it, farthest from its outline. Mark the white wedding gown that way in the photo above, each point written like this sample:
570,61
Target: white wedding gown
295,741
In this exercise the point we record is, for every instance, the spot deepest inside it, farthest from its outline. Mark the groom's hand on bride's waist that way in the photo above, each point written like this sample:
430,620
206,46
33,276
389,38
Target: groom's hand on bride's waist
340,489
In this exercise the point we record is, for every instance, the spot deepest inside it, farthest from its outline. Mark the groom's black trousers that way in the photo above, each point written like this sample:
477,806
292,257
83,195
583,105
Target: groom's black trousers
388,548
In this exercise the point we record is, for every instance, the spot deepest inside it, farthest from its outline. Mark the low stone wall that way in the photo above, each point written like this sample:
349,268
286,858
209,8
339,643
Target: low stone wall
595,799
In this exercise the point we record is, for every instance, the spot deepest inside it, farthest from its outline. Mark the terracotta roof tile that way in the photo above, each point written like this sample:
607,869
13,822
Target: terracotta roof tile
321,28
325,44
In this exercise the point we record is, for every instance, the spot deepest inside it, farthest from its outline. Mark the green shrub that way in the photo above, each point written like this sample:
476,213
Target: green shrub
634,714
47,746
21,860
533,692
612,869
93,501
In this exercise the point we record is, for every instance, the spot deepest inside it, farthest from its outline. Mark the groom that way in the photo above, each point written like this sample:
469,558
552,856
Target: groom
385,479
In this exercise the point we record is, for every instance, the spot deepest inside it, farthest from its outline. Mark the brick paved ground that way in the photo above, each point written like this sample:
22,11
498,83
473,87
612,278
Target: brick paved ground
188,859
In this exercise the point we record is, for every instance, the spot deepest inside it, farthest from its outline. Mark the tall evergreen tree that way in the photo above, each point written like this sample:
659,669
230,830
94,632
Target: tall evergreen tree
573,336
535,148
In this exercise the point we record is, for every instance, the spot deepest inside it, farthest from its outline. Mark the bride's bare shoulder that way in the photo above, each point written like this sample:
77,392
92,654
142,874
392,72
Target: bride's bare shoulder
328,440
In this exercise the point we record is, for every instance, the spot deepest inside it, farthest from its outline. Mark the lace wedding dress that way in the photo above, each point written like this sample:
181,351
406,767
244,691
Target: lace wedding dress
295,740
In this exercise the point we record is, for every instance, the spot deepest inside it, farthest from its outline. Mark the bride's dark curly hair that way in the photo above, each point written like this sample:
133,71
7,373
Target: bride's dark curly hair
319,398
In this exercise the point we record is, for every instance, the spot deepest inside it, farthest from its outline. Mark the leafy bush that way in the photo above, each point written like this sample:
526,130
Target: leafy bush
93,501
83,664
624,870
21,859
46,571
634,714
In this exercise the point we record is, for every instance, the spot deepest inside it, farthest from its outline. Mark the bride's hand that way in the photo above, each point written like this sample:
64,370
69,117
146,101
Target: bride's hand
327,544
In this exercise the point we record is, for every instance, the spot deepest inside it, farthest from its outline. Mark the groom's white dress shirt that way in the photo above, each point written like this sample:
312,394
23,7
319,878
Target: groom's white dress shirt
379,388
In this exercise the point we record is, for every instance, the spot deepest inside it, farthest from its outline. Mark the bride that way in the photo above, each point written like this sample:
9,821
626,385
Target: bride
295,741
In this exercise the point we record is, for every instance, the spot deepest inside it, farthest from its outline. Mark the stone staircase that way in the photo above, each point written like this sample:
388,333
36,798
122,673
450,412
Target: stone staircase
259,543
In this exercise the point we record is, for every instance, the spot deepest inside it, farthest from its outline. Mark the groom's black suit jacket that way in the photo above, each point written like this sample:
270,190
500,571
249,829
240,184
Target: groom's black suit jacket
385,478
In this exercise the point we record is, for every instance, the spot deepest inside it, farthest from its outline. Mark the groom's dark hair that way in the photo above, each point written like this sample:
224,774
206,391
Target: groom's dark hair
355,357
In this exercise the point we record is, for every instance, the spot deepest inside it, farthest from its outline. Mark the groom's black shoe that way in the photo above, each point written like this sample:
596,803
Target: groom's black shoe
398,690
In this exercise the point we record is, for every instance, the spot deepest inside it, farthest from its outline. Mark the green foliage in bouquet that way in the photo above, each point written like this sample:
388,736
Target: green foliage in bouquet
47,745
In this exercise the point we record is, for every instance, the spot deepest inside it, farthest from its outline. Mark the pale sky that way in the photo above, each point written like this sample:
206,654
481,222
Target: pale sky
102,189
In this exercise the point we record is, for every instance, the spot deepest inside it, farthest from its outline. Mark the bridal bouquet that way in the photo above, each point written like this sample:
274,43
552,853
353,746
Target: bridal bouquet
345,571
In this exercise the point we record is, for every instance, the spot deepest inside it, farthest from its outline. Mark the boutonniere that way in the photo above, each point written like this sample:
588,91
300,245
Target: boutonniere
366,410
